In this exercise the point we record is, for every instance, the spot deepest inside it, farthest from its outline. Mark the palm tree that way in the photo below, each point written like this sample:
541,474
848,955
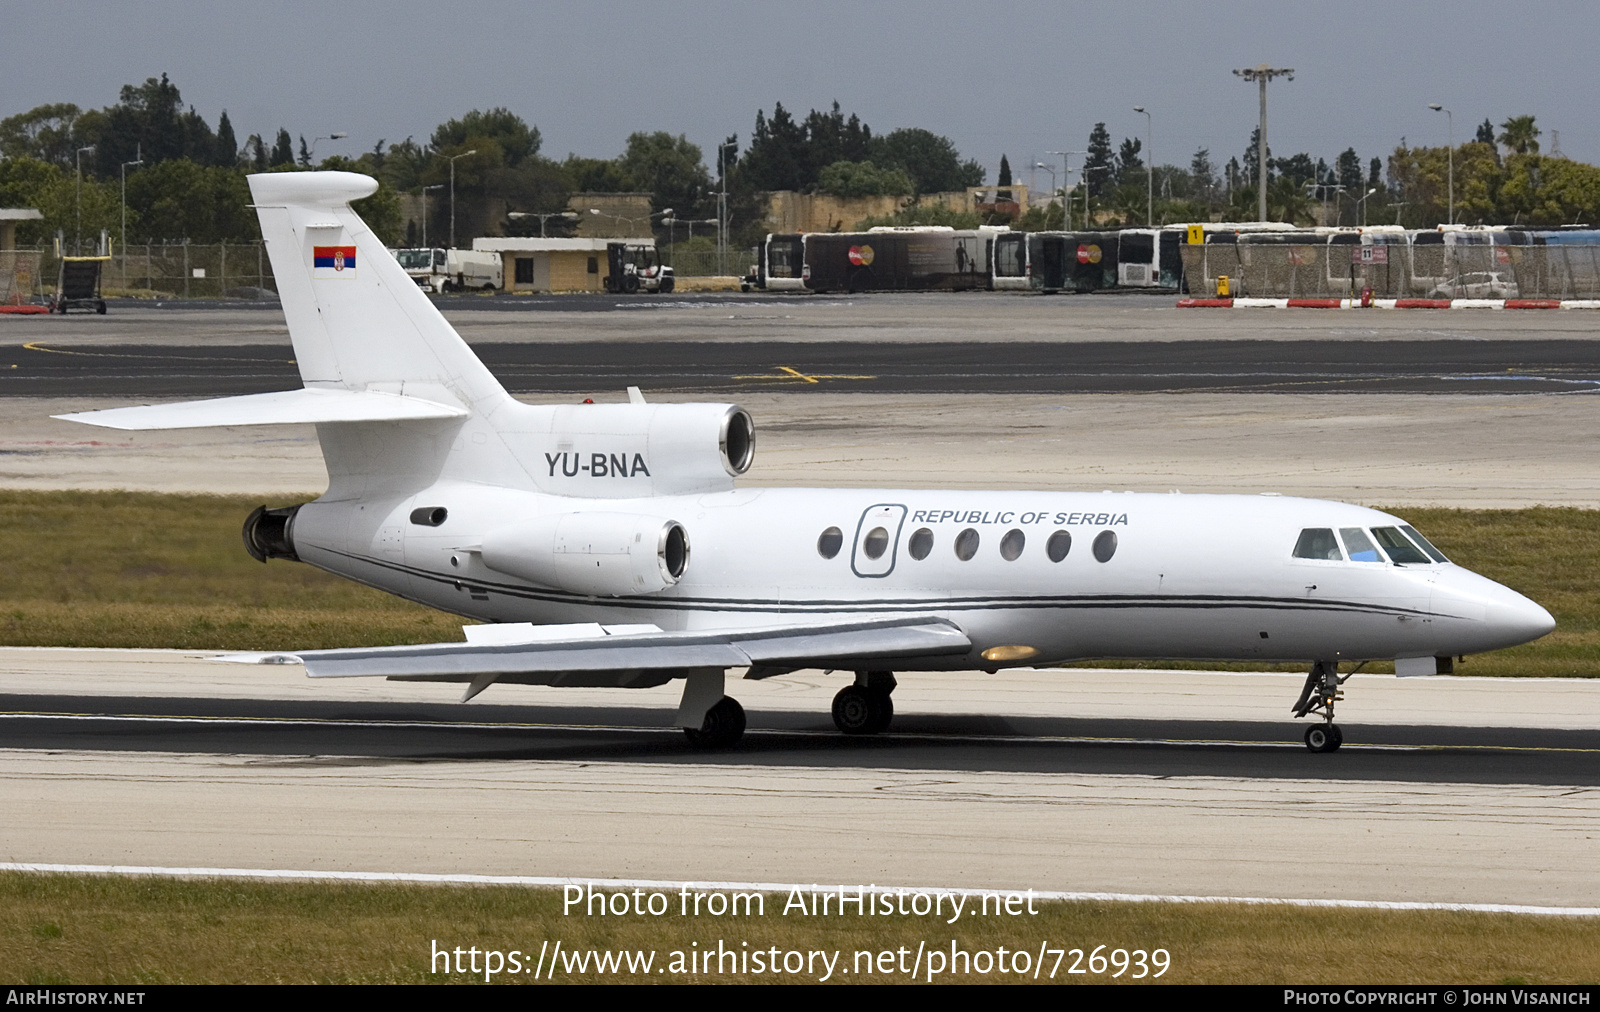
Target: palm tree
1519,135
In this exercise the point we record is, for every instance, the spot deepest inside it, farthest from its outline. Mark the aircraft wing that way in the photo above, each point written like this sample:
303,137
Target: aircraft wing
631,656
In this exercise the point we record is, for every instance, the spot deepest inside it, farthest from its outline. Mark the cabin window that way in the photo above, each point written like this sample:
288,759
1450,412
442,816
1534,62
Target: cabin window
876,541
921,544
1318,543
1012,544
831,541
1423,543
1058,546
1105,545
1357,544
1398,548
967,544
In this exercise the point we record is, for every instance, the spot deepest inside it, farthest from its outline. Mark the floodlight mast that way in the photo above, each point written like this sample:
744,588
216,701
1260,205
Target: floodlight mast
1263,74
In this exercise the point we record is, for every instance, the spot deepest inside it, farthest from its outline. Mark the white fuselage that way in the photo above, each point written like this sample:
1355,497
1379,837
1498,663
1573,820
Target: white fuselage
1191,576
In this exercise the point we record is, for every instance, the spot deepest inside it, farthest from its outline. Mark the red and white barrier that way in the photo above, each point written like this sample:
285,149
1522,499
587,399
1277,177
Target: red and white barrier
1241,303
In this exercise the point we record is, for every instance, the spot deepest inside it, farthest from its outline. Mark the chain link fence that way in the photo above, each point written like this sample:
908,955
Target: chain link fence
1399,270
175,270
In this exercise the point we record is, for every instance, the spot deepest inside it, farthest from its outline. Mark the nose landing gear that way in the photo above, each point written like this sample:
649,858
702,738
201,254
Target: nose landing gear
1318,696
865,707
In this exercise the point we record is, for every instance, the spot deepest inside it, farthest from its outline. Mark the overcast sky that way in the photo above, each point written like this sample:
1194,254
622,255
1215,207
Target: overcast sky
1019,78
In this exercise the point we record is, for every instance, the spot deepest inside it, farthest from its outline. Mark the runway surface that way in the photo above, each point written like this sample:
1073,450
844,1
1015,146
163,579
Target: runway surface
1448,790
39,369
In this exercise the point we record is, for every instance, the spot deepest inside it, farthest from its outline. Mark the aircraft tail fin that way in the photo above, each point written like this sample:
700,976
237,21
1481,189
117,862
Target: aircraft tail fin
358,322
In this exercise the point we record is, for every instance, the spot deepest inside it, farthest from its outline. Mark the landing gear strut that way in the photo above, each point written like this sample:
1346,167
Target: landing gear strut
865,707
1321,691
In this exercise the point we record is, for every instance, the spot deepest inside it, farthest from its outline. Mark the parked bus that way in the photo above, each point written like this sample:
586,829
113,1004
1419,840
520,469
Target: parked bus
931,258
780,263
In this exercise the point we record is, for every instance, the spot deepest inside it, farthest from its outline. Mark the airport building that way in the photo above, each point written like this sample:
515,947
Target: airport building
553,265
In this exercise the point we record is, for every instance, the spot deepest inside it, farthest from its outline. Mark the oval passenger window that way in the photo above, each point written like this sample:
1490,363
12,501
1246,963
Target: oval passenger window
876,541
921,544
831,541
1012,544
1105,545
1058,546
966,544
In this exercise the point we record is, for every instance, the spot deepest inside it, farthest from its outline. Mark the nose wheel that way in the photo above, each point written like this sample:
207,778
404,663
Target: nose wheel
1319,695
1324,737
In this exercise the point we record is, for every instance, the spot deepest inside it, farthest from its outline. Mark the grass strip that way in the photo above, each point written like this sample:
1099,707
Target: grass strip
58,929
127,569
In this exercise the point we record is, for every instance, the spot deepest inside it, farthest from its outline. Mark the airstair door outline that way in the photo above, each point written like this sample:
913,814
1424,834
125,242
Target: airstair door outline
877,540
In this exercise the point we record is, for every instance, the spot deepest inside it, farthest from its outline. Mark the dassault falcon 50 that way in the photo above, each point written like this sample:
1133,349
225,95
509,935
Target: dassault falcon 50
608,544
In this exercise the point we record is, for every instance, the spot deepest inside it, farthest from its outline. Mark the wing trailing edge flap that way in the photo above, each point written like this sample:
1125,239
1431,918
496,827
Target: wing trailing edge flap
283,407
635,658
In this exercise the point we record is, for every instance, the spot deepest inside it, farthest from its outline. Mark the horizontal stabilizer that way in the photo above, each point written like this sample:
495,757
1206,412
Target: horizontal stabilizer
628,653
286,407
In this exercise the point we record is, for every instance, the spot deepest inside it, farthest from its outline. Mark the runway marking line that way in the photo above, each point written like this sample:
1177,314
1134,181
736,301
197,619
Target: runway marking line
787,373
39,346
654,885
769,732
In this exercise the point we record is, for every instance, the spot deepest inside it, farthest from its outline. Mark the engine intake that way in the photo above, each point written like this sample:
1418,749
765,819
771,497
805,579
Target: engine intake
594,554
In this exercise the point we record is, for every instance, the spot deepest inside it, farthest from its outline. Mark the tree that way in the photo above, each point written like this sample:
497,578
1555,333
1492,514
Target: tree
517,140
1098,163
669,168
1128,161
1375,173
227,147
930,160
1486,132
45,132
1349,170
149,122
179,199
1004,179
776,159
305,153
1202,175
1520,136
863,179
595,175
1252,165
282,150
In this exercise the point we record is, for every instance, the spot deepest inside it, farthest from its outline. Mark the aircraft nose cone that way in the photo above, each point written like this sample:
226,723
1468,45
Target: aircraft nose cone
1516,618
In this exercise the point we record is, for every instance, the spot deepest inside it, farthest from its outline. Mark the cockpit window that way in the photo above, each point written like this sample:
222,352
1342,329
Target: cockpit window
1318,543
1359,545
1400,550
1423,543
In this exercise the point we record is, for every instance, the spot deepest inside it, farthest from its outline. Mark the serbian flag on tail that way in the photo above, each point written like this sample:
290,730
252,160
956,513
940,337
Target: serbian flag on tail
333,262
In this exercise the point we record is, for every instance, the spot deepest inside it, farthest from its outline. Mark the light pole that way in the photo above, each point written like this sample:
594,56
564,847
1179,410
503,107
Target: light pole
1149,168
1361,205
690,223
1450,122
1052,171
452,160
337,135
722,208
1066,207
77,202
138,159
425,189
569,215
1263,74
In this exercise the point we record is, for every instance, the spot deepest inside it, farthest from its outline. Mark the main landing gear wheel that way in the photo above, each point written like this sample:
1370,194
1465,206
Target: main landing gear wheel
862,711
1324,737
722,727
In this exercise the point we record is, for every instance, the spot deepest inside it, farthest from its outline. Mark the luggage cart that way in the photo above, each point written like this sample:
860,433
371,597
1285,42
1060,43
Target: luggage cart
78,285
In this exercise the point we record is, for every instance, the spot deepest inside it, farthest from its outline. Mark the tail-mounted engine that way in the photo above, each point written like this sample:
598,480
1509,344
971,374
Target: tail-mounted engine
269,533
593,554
618,451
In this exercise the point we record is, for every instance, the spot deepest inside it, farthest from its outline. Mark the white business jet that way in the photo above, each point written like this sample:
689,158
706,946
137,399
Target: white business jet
607,544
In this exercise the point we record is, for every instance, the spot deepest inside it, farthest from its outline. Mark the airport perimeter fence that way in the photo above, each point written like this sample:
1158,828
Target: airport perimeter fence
176,270
1399,271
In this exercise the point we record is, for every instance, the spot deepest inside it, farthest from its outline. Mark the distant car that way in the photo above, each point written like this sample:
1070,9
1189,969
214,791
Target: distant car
1478,285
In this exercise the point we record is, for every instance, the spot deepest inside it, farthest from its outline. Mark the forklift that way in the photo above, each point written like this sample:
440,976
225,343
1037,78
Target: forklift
634,268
